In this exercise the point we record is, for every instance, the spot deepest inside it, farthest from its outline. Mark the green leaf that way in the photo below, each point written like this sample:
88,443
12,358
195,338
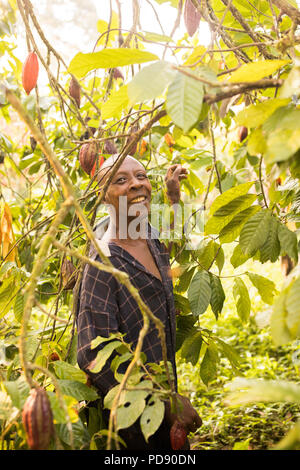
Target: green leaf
231,231
152,417
238,257
224,215
220,259
185,280
292,306
117,361
7,411
117,102
19,307
81,436
217,295
256,114
7,291
256,144
184,101
150,82
66,371
288,242
282,144
102,356
255,232
82,63
254,71
182,303
251,390
230,353
184,328
292,82
266,288
18,390
78,390
270,250
199,292
206,253
132,405
279,331
103,339
208,368
229,195
191,347
242,299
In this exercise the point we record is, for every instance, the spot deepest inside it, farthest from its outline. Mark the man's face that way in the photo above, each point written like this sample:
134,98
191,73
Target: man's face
131,182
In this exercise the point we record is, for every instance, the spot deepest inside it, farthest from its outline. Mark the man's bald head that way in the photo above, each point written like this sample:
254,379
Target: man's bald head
109,164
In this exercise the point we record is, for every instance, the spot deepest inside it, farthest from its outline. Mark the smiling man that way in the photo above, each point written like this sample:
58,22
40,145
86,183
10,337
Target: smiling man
107,307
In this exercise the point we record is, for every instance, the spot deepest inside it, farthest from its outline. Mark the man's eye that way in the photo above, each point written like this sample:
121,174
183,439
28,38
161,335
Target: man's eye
142,175
121,180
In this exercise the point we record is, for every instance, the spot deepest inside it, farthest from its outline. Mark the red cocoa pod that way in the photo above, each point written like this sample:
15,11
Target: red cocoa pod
177,435
242,133
74,91
67,270
100,160
38,419
30,72
191,17
87,156
110,148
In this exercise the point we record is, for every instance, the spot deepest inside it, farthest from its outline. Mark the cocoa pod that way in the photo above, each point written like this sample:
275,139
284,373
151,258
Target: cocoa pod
37,419
191,17
30,72
100,162
67,270
87,156
242,133
74,91
177,435
2,156
110,148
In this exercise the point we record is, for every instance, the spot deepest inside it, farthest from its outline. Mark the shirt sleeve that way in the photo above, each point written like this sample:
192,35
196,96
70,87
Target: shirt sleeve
97,315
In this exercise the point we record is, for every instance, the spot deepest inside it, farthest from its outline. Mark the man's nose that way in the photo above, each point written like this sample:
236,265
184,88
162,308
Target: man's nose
135,183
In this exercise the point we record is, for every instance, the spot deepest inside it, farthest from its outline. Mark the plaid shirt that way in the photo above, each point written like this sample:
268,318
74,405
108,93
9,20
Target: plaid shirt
106,307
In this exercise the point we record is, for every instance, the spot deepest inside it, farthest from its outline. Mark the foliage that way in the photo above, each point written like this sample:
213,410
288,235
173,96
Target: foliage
246,193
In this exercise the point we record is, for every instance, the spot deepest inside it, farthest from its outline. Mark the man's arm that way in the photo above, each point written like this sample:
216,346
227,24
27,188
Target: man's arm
174,175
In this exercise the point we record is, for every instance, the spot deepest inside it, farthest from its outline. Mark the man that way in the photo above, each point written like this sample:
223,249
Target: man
107,307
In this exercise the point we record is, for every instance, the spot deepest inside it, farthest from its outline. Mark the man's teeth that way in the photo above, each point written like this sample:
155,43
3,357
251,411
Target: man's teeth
139,199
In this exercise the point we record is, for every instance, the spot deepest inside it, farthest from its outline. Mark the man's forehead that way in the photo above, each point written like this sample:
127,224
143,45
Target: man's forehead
128,163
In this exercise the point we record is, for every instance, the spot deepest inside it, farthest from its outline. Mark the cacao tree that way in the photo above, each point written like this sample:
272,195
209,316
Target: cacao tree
228,111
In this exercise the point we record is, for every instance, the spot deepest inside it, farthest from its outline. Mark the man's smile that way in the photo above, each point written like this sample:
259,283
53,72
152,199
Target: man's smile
138,199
